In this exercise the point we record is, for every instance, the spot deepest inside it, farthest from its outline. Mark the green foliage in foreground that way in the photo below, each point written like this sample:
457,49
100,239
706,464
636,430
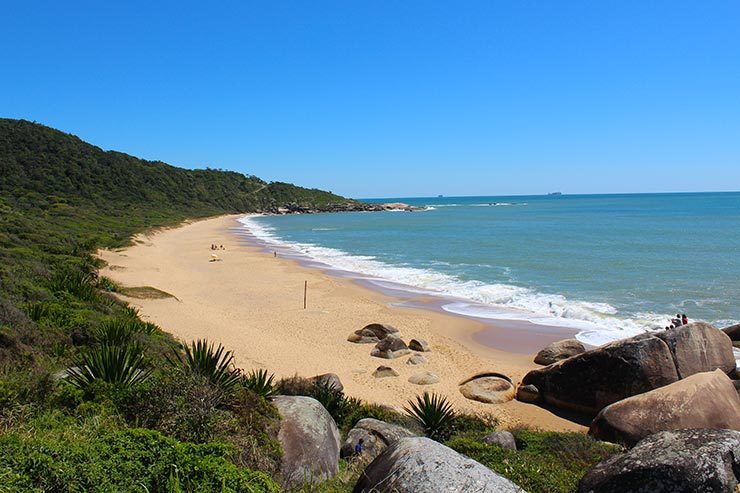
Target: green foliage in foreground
547,462
55,453
434,414
209,361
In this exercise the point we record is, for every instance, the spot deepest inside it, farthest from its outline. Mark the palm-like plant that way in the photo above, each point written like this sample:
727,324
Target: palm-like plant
117,364
260,382
434,414
214,363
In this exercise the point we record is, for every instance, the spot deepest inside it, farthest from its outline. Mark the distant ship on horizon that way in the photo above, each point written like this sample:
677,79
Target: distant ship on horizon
555,193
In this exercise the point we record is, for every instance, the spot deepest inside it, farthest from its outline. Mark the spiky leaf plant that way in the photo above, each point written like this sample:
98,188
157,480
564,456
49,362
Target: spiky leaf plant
260,382
211,362
434,414
112,363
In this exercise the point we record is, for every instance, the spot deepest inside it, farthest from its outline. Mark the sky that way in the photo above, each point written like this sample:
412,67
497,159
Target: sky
394,98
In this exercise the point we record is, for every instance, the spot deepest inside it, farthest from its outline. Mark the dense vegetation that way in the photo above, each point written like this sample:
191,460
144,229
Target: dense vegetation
94,399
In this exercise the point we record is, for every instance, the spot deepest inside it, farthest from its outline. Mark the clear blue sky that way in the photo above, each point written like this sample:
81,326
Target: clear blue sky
394,98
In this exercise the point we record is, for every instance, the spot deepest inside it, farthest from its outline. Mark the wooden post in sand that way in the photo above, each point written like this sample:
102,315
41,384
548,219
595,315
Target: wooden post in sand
305,289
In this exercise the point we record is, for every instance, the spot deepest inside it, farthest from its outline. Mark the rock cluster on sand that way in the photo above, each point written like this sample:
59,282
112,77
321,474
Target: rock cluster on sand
683,461
492,389
390,347
703,400
590,381
376,435
559,350
421,465
372,334
310,441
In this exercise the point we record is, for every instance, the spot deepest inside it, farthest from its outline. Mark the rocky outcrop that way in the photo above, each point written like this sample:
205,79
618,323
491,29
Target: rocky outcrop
683,461
372,334
376,435
384,371
559,350
390,347
419,345
590,381
703,400
528,393
501,438
699,347
491,389
310,441
416,359
424,378
733,332
331,379
421,465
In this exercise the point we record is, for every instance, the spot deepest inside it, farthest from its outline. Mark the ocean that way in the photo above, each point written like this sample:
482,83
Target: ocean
609,266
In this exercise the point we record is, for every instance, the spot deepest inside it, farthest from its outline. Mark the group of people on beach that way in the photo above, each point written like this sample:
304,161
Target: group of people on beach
217,247
678,321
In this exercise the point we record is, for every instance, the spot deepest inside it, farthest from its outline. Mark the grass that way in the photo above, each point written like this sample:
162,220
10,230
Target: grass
145,293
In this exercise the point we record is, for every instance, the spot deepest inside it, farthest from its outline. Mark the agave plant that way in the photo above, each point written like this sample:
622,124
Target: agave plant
122,330
434,414
260,382
214,363
113,363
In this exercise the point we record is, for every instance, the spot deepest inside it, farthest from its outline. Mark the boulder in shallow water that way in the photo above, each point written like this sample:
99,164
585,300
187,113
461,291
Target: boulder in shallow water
558,351
681,461
390,347
424,378
703,400
590,381
419,345
310,441
491,389
384,371
421,465
699,347
376,435
501,438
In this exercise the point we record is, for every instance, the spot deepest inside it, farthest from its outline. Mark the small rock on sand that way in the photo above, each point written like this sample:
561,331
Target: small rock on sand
384,371
424,378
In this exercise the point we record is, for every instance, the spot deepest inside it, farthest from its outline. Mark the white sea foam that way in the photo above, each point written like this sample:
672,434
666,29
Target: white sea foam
597,323
489,204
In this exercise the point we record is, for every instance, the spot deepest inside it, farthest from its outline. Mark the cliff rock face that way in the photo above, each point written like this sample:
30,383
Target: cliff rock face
703,400
421,465
683,461
310,441
699,347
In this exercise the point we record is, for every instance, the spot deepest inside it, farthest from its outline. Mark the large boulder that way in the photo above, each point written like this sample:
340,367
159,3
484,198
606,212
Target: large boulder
703,400
310,441
372,334
733,332
389,348
699,347
590,381
376,435
682,461
421,465
558,351
491,389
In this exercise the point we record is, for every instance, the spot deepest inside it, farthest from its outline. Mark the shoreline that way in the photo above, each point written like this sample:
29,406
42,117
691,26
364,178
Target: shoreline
251,302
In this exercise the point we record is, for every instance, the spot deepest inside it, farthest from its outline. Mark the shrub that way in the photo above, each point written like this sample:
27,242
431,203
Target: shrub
334,401
123,365
434,414
214,363
260,382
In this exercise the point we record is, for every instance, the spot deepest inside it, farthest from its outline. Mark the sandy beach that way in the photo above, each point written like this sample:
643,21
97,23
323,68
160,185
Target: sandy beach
252,302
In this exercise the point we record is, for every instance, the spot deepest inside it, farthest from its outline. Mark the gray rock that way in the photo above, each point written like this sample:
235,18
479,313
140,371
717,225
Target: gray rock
501,438
376,435
558,351
384,371
703,400
733,332
310,441
421,465
418,345
416,359
528,393
330,379
590,381
389,348
682,461
491,389
424,378
372,334
699,347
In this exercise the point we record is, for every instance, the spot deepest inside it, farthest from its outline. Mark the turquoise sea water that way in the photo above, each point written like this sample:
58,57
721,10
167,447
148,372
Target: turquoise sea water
609,265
